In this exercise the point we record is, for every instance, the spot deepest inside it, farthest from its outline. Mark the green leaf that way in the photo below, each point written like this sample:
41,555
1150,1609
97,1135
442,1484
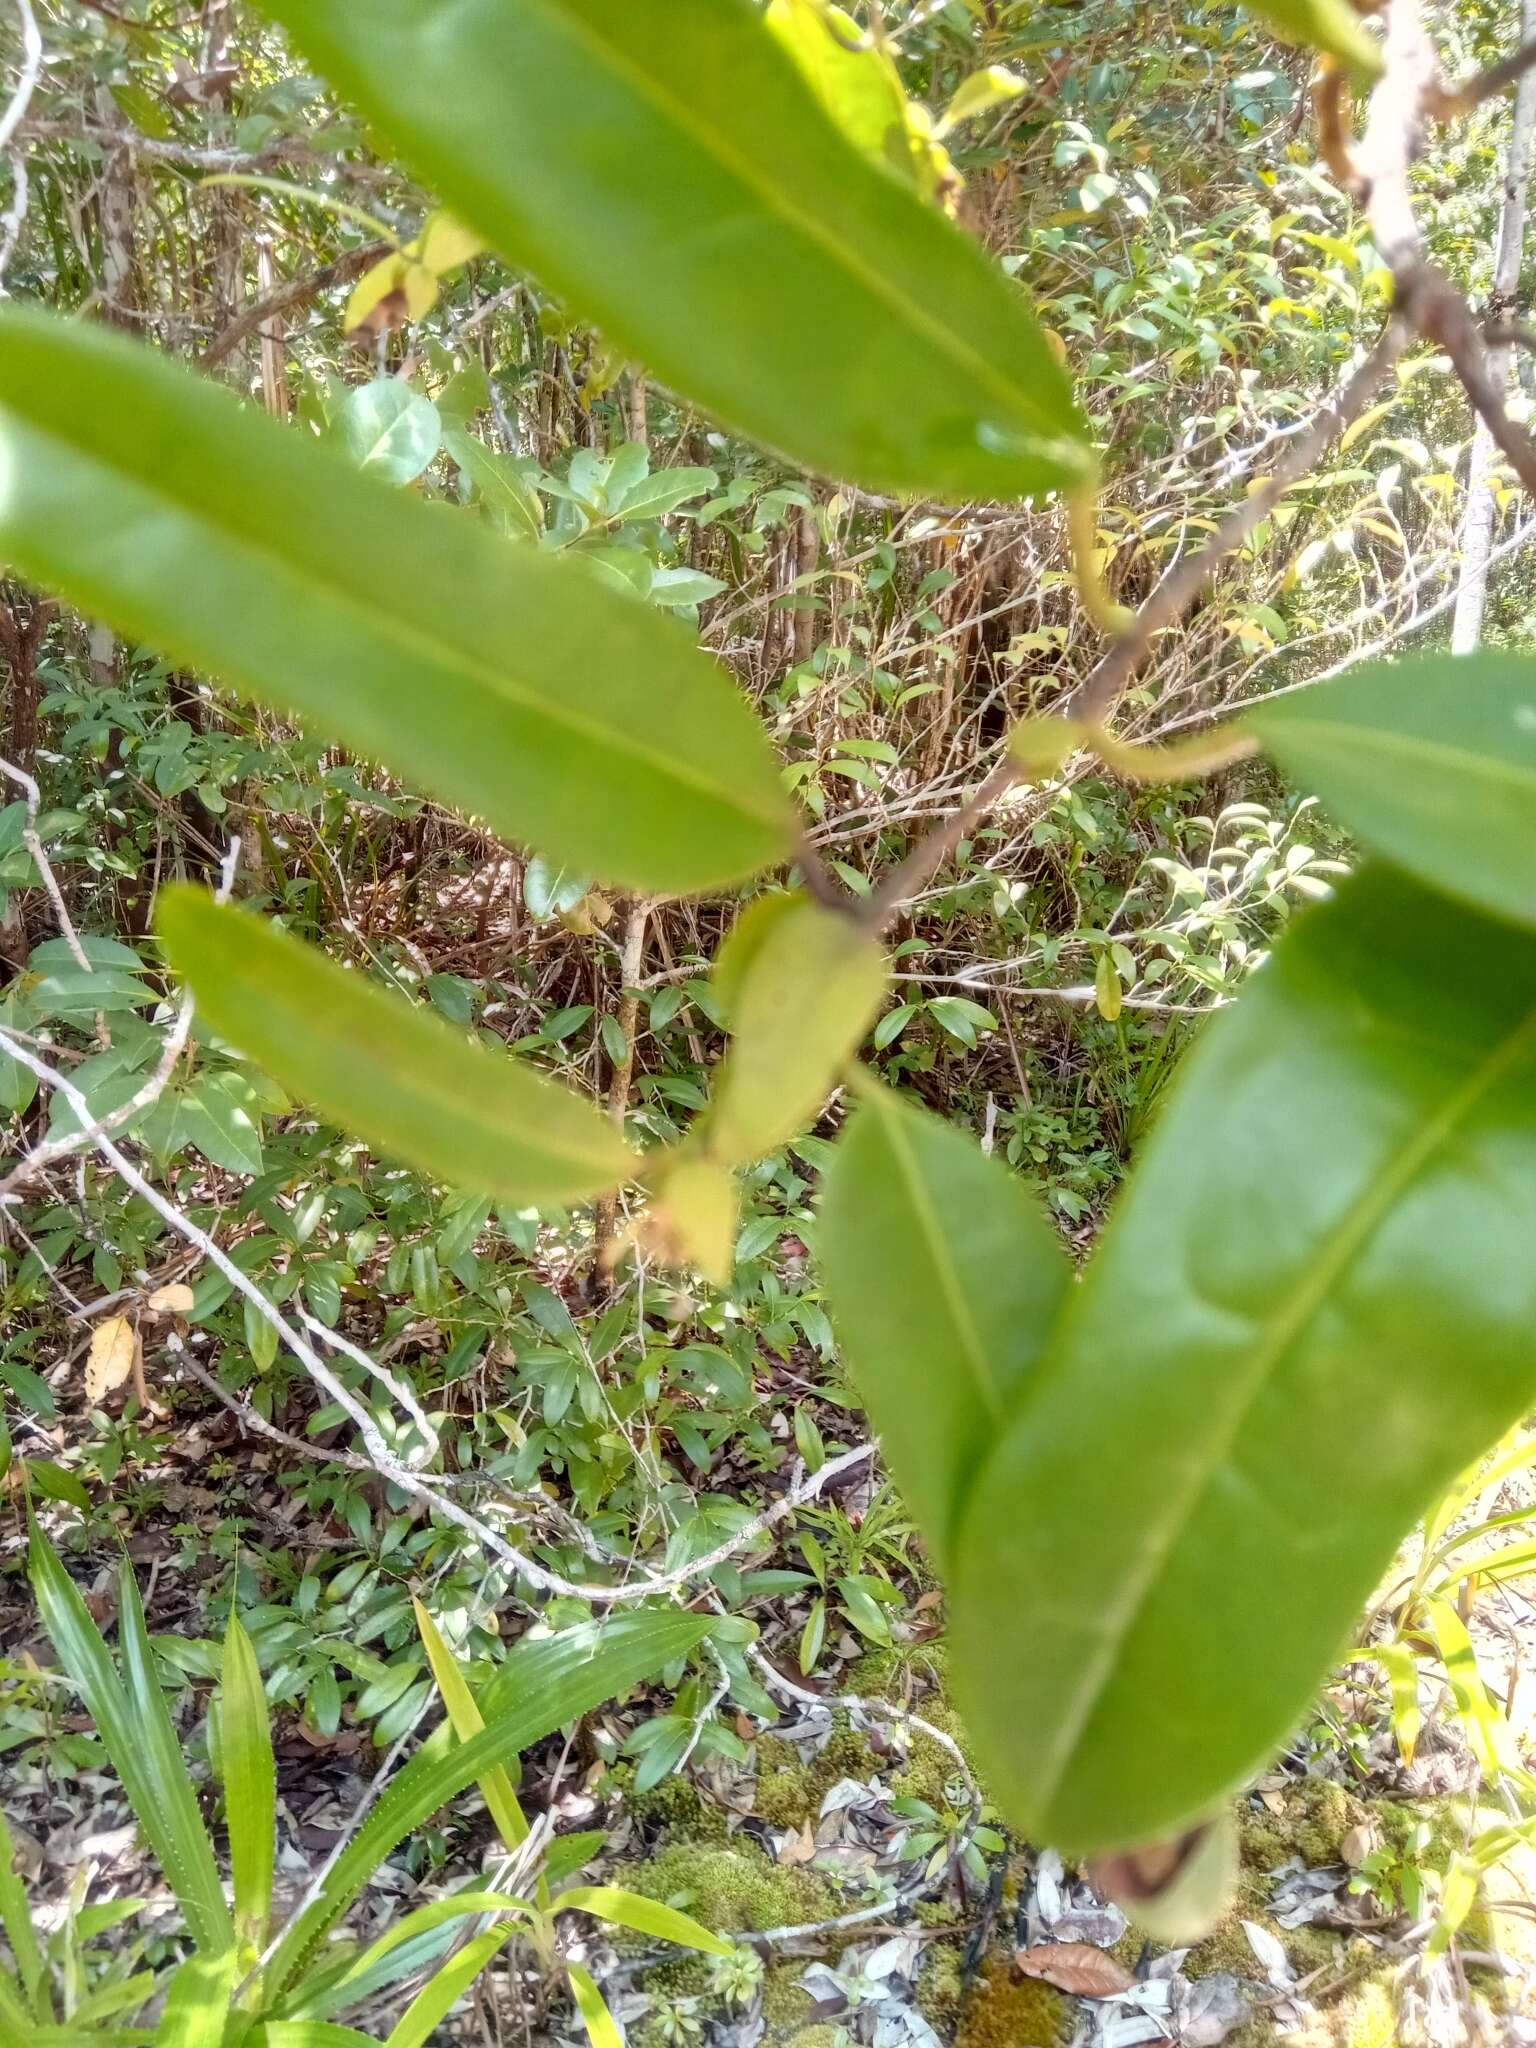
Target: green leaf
1264,1377
131,1718
443,1990
628,1909
250,1784
365,1975
16,1921
197,2004
982,93
850,72
828,312
496,1785
655,496
538,1687
800,984
55,1482
390,1070
497,678
390,429
309,2034
943,1278
1331,25
1432,762
602,2029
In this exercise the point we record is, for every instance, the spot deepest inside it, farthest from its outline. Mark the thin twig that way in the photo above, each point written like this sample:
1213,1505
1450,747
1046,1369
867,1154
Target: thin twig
1449,102
34,845
298,291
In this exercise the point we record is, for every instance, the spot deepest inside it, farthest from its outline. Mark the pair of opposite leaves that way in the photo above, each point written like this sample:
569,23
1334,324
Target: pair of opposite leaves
1161,1497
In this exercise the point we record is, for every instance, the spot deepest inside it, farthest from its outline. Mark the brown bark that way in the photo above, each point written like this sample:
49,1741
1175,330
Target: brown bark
21,634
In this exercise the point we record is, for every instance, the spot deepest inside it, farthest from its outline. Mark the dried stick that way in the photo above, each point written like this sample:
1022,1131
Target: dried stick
298,291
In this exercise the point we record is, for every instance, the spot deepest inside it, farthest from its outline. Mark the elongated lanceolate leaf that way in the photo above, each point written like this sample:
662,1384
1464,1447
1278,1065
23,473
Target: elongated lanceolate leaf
497,678
385,1068
1315,1304
250,1783
135,1729
944,1278
1432,762
663,166
539,1686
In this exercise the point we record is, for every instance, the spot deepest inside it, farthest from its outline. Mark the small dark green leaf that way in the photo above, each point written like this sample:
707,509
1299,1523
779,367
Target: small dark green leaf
499,678
943,1278
827,310
391,1071
1432,762
1315,1305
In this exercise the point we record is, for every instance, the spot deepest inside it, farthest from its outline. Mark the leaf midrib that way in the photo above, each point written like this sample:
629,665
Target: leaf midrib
383,622
1285,1326
973,1350
715,145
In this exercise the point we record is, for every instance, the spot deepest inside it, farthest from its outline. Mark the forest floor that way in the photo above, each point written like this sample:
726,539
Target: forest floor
842,1844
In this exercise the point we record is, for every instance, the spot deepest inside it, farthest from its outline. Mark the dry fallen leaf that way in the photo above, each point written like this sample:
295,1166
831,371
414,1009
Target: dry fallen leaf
1076,1967
1361,1841
110,1359
175,1300
798,1847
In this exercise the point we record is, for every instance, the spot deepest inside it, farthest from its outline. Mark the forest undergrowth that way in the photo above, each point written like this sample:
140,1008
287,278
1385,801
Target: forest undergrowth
527,1418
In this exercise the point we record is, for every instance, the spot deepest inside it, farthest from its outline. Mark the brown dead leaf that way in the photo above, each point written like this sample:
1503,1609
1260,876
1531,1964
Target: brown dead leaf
110,1359
799,1847
1076,1967
1363,1838
175,1300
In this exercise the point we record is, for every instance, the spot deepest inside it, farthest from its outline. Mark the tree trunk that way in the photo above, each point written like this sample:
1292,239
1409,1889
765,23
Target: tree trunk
1477,528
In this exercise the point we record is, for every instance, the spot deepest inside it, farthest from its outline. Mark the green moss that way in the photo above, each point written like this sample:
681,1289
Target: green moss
785,1794
785,2000
940,1991
1004,2012
899,1672
822,2035
1369,2020
676,1807
1318,1814
1227,1947
790,1790
733,1891
680,1976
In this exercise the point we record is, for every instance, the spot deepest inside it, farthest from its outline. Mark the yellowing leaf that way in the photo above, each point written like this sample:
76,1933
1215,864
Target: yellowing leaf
175,1300
692,1220
110,1359
1330,25
1107,992
804,983
386,280
980,93
444,243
